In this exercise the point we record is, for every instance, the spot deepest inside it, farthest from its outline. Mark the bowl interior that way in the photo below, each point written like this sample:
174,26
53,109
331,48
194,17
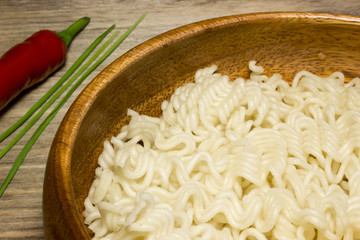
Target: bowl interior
148,74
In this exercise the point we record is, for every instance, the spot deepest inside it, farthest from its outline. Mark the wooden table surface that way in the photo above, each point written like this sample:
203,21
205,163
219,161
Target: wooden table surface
21,204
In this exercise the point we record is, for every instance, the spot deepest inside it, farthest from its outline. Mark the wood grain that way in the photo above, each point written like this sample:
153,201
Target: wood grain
21,205
144,77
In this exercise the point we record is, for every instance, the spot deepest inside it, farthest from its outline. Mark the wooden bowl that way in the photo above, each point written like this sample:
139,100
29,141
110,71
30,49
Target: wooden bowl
148,74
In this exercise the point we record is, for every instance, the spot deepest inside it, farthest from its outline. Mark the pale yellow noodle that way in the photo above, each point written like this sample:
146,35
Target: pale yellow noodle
235,159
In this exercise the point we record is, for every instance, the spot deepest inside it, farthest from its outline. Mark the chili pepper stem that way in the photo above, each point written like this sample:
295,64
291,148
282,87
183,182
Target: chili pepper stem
68,34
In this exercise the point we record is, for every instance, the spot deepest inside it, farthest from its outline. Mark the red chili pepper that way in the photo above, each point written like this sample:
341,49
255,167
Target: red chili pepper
33,60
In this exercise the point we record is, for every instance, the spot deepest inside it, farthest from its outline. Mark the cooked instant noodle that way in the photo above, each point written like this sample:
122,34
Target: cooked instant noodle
254,159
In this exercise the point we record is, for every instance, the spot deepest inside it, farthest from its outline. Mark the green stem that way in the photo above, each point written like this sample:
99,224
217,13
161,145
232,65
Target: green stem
54,98
50,92
45,123
68,34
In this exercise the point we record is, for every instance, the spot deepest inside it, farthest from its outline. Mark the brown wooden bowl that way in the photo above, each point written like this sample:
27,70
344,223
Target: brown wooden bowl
146,75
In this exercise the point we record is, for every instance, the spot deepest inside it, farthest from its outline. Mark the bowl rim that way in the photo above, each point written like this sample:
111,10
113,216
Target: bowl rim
67,131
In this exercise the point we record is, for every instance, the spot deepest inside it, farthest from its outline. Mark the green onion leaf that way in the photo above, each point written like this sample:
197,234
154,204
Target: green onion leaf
56,96
52,114
54,88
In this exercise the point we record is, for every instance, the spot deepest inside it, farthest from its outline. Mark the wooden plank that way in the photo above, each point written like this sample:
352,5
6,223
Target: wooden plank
20,206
